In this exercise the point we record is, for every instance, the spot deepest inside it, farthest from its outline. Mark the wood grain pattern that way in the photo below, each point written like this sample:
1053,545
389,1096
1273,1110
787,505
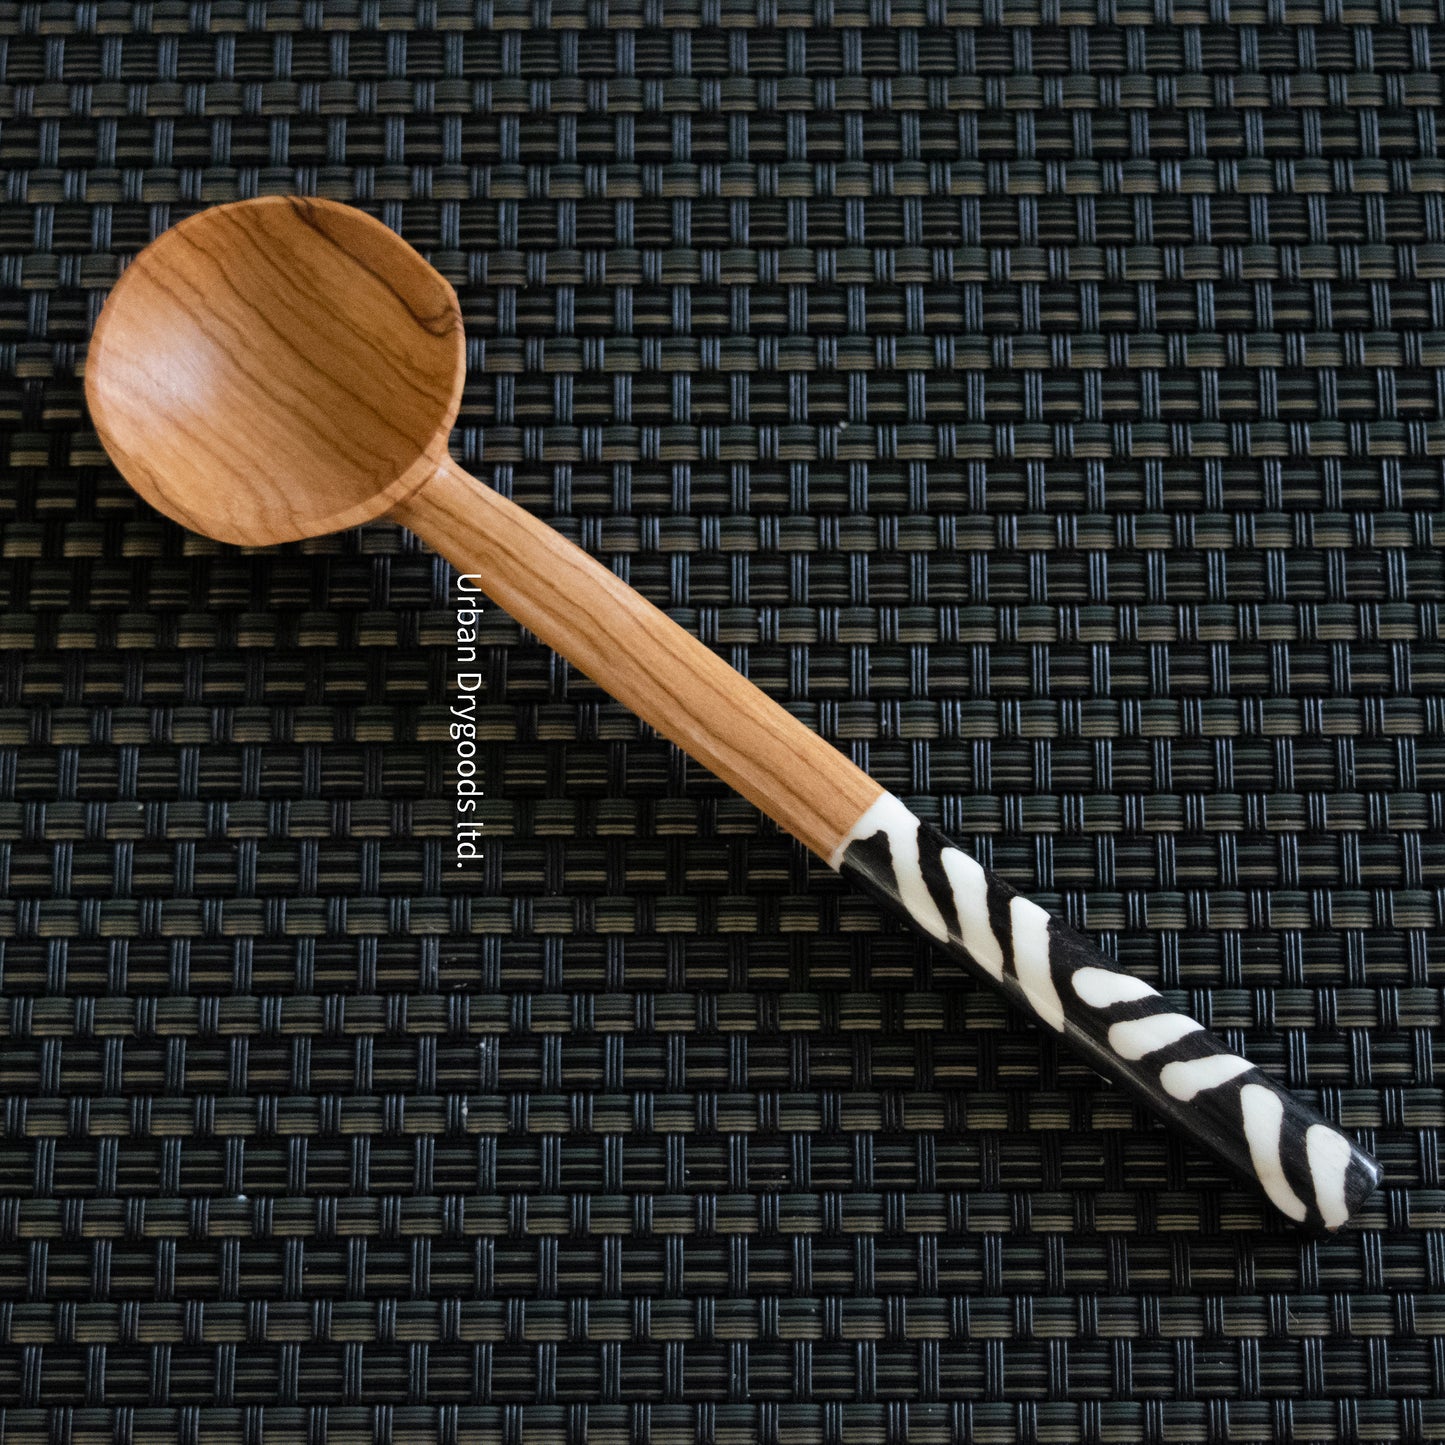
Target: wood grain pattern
643,658
277,369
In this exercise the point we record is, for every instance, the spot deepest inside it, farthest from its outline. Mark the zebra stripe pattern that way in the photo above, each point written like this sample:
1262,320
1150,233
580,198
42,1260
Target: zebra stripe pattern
1310,1171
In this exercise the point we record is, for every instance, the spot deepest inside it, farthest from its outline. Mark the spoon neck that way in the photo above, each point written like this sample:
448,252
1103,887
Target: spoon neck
445,508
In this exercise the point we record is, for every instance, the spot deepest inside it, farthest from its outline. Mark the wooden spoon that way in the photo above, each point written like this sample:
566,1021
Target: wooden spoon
282,368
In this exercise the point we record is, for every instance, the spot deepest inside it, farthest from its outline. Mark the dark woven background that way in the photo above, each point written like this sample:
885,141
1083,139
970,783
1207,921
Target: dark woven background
1046,405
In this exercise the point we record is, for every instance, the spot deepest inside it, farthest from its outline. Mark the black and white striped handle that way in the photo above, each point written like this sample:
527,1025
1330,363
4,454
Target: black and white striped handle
1309,1169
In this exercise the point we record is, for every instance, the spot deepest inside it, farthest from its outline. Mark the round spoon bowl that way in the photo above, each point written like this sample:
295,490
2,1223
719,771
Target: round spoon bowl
276,369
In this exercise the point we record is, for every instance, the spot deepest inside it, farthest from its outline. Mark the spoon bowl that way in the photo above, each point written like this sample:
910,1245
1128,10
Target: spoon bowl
277,369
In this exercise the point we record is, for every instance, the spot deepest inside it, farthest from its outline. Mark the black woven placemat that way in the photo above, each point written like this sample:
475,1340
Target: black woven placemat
1045,403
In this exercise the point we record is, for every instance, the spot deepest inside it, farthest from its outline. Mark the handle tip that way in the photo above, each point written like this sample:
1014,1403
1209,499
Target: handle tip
1362,1178
1312,1171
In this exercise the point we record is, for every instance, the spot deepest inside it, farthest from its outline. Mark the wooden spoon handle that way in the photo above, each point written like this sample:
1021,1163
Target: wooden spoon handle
612,633
1124,1028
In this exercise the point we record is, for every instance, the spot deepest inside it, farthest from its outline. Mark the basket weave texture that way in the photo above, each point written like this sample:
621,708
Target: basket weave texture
1045,403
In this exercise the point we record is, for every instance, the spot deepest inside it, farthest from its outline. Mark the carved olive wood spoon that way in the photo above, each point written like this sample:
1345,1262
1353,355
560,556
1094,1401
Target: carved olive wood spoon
283,368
